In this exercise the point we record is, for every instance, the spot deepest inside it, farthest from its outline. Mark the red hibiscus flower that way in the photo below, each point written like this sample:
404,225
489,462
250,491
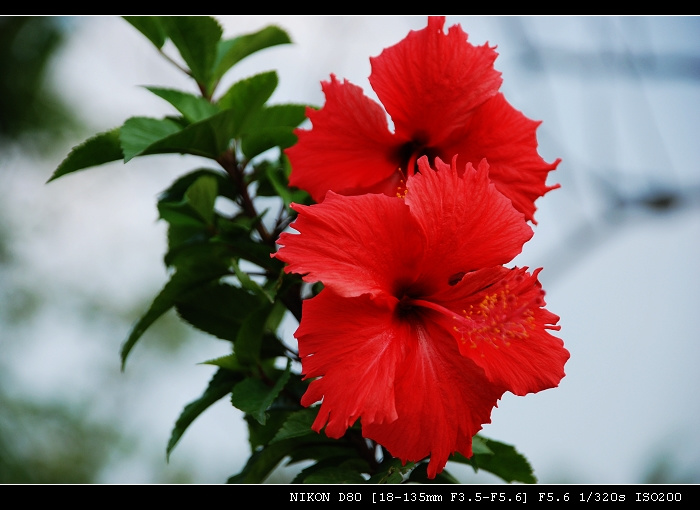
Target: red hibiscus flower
441,93
419,329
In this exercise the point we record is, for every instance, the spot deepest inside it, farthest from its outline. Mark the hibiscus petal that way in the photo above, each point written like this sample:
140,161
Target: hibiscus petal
359,244
468,224
500,323
431,81
442,399
399,377
508,140
348,150
354,348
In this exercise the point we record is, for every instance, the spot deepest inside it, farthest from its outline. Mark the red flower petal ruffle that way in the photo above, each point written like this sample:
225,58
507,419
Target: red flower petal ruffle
467,223
358,245
350,149
430,82
499,322
508,140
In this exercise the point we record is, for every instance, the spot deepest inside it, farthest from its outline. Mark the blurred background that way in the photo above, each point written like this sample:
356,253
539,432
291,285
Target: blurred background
81,258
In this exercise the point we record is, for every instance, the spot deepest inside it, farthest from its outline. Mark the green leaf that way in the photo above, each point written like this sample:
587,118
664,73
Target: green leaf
197,39
255,144
191,243
150,26
196,208
335,475
270,127
261,463
229,362
249,284
502,460
392,477
176,191
208,138
139,133
202,196
260,435
247,96
393,471
253,397
219,386
100,149
188,232
334,470
420,475
182,217
272,177
275,316
248,342
232,51
237,236
193,108
197,250
319,447
480,446
278,115
276,177
296,425
217,308
196,272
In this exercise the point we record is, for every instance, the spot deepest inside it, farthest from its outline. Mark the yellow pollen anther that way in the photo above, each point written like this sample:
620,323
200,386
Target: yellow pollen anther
498,319
401,189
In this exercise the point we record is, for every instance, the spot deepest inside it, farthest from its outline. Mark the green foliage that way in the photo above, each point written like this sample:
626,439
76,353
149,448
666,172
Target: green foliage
297,424
193,108
28,106
222,279
219,386
234,50
149,26
500,459
98,150
196,38
254,397
208,138
202,268
247,96
199,42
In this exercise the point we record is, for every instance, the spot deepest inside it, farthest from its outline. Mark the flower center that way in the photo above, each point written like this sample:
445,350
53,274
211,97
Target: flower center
407,306
411,151
498,319
409,154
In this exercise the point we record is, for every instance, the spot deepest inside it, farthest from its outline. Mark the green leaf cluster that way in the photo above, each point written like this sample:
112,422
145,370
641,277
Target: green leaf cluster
222,279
